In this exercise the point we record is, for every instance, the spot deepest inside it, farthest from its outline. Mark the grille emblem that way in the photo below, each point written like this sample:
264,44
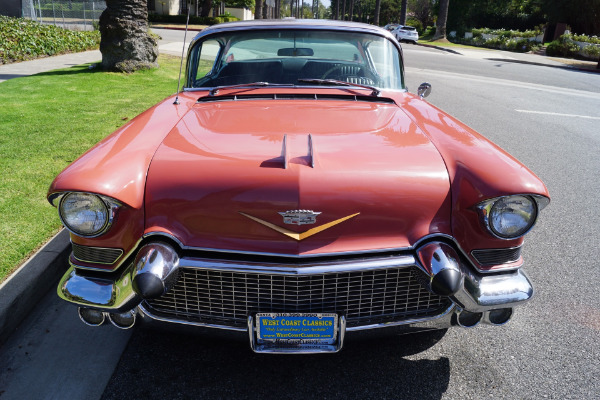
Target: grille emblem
299,217
301,235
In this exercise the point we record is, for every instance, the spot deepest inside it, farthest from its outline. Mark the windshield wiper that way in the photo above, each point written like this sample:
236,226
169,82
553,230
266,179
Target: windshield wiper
374,90
216,90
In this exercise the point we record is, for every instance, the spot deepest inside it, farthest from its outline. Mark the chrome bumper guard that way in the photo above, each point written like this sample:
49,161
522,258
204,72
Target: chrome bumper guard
474,292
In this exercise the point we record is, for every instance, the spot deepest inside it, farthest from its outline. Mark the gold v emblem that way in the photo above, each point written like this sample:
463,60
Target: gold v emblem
303,235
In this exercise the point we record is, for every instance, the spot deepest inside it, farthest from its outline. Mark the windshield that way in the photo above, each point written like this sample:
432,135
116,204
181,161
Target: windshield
294,56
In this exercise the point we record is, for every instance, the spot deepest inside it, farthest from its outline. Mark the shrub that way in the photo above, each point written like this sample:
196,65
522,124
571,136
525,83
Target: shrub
181,19
583,38
562,48
417,24
592,52
22,39
507,33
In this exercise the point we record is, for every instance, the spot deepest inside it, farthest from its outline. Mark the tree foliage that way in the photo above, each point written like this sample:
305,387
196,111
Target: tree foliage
583,16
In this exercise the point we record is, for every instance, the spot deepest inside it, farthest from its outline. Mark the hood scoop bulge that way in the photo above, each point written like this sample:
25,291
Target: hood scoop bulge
283,160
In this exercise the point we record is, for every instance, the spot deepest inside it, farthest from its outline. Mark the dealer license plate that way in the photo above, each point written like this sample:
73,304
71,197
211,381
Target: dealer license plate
302,332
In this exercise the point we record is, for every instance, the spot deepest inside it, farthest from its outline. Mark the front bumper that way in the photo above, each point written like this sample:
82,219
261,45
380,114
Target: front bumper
474,292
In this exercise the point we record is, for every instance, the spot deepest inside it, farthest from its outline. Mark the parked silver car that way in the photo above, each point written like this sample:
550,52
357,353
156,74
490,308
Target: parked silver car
406,33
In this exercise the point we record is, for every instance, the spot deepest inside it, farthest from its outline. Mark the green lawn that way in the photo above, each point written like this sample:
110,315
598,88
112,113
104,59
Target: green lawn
46,122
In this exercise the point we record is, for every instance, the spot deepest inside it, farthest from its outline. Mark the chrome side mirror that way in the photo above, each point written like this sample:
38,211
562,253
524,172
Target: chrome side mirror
424,90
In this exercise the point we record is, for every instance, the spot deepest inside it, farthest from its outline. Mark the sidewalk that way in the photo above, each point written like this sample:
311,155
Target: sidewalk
519,58
26,68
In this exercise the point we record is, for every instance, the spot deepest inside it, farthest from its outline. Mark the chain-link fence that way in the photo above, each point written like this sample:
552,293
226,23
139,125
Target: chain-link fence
69,14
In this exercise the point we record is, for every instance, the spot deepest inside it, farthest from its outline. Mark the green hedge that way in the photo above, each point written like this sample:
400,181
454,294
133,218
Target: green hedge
583,38
565,47
181,19
504,33
22,39
502,43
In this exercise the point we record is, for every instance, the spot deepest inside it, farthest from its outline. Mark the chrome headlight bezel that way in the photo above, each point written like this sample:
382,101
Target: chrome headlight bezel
486,208
110,208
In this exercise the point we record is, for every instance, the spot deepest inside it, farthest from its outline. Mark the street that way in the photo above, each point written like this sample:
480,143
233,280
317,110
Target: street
547,118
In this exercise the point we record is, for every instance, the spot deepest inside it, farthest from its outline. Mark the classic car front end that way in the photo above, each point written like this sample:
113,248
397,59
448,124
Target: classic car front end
295,193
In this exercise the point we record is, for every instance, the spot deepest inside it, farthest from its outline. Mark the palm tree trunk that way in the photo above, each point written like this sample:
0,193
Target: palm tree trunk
403,12
258,9
440,31
377,9
125,43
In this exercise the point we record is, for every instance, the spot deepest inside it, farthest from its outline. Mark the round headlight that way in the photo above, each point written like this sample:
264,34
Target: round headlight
512,216
84,214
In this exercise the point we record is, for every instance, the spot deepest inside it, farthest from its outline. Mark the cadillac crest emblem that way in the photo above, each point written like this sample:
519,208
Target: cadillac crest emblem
299,217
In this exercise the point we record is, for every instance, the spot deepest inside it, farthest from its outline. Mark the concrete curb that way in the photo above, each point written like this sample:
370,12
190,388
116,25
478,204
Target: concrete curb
431,46
21,292
569,67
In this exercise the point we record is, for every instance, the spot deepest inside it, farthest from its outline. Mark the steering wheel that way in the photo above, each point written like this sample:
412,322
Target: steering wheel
366,73
332,70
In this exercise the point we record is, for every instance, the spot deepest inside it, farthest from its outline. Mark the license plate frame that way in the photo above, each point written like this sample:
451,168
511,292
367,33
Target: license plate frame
296,332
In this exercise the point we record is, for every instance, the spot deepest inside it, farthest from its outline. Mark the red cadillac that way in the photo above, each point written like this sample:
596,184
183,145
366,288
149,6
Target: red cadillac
296,193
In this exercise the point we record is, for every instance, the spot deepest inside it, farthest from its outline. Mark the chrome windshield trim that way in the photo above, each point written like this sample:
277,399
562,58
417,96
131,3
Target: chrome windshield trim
307,269
293,25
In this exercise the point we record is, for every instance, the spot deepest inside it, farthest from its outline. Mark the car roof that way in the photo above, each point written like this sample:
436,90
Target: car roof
292,23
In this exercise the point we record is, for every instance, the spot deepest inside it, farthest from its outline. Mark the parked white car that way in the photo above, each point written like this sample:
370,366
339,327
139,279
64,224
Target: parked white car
406,33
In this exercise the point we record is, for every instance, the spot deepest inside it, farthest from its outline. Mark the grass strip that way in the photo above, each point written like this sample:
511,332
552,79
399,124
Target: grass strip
47,121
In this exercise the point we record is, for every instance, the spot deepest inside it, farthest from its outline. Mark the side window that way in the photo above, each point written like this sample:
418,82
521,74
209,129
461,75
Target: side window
208,55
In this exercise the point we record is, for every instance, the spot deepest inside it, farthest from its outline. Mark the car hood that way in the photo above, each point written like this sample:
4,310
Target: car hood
223,175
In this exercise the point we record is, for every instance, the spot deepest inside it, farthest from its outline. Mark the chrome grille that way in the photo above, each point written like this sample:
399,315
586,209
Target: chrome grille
364,297
96,255
497,256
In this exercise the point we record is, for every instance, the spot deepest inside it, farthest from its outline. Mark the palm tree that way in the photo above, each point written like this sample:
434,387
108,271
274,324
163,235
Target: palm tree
377,9
440,30
258,9
403,12
125,43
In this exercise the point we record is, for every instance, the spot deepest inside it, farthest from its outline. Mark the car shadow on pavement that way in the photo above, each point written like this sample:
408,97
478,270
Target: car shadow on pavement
158,365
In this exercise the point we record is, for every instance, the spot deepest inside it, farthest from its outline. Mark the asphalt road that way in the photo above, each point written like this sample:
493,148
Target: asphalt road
546,117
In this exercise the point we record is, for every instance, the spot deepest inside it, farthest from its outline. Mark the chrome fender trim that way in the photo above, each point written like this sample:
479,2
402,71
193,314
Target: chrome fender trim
99,293
489,292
